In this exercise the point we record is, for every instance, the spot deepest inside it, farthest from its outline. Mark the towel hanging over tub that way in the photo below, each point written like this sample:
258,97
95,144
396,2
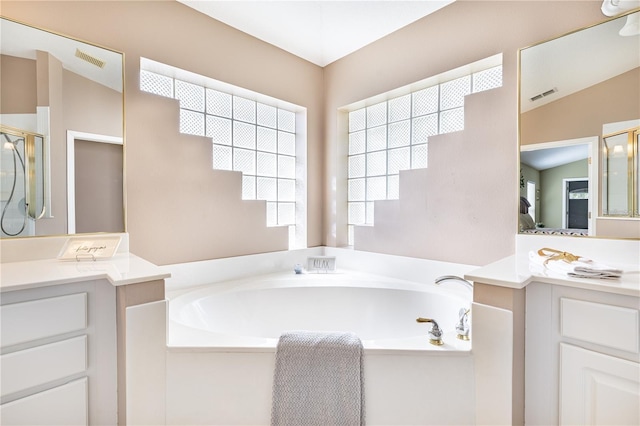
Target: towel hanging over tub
318,380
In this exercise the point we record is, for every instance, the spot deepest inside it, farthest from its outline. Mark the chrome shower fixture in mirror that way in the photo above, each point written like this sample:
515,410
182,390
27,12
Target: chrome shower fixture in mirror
575,93
53,88
22,181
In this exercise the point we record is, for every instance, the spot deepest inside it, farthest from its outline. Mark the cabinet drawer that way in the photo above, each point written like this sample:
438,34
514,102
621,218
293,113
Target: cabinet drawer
36,319
63,405
36,366
606,325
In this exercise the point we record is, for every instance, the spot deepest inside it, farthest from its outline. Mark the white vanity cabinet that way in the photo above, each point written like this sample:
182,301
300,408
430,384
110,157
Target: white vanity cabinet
598,389
582,356
58,355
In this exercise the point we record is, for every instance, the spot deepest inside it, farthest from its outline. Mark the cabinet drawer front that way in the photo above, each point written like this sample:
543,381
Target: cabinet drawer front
63,405
36,319
42,364
607,325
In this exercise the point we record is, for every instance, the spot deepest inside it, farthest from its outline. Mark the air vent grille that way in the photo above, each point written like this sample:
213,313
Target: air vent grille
91,59
543,94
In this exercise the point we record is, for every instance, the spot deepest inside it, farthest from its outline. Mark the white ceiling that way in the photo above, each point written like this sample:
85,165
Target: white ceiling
543,159
318,31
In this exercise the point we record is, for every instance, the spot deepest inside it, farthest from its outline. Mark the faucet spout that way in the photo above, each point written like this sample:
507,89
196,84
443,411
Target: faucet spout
454,278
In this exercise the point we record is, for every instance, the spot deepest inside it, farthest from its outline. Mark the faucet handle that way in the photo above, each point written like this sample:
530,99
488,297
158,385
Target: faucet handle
435,334
462,327
462,313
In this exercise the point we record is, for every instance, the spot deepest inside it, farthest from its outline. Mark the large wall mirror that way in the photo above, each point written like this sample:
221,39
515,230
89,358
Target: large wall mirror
62,134
580,96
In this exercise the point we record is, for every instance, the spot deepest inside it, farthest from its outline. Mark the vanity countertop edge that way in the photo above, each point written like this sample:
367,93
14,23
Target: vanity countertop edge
513,272
121,269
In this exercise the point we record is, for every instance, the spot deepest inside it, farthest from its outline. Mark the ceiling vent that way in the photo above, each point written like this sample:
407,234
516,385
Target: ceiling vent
91,59
543,94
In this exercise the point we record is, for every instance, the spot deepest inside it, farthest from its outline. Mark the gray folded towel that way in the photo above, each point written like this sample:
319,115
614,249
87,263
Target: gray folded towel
318,380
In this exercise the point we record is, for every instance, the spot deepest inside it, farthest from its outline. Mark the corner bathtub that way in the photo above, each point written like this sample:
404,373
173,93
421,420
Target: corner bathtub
222,340
253,313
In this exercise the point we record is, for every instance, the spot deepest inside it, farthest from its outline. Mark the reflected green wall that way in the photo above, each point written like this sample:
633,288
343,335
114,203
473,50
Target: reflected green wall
551,190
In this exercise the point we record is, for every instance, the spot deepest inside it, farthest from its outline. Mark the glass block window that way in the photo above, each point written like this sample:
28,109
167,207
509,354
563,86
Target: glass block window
248,136
393,135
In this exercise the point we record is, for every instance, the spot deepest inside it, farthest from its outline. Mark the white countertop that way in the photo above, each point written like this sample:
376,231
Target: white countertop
515,272
121,269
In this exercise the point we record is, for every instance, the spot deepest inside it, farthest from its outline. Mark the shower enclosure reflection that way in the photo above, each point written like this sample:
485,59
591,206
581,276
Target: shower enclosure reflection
22,181
620,170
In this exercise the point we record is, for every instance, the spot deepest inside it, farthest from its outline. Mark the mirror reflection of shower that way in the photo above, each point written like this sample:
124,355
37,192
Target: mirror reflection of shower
14,206
21,181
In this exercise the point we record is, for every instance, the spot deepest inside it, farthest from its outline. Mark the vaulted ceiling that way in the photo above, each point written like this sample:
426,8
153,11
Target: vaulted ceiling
318,31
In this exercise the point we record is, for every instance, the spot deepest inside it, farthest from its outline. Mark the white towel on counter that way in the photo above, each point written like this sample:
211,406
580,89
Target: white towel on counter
318,380
579,268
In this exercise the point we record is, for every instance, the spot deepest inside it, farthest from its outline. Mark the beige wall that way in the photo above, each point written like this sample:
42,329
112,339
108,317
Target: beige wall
91,107
466,199
78,104
618,227
582,114
18,82
178,208
98,187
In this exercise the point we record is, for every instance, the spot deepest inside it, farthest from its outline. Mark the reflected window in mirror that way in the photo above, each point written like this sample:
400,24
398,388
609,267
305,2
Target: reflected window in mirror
531,197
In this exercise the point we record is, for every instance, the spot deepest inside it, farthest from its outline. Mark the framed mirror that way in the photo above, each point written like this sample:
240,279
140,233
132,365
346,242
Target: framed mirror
573,91
68,96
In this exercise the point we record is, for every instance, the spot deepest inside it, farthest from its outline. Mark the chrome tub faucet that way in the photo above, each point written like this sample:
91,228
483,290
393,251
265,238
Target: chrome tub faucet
435,334
454,278
462,326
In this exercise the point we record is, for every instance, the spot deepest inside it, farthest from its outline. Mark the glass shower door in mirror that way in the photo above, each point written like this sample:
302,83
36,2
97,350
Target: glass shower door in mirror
22,182
620,174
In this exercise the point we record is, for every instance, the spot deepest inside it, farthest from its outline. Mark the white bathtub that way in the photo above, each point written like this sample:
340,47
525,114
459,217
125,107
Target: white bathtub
252,313
222,335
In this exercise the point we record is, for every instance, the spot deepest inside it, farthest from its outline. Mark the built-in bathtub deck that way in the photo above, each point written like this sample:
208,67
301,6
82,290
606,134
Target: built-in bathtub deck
213,375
